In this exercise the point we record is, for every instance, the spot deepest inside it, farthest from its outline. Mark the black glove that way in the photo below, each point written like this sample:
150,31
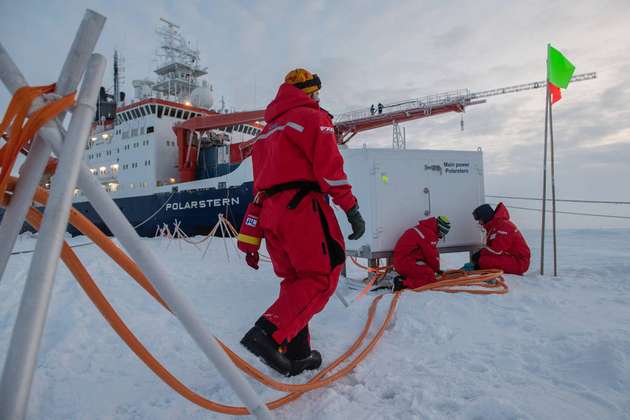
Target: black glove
357,223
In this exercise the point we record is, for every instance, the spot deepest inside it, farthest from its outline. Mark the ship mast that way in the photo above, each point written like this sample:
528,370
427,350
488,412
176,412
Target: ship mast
179,69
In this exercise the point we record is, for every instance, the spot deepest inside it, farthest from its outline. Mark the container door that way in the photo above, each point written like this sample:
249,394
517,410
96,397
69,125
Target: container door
399,200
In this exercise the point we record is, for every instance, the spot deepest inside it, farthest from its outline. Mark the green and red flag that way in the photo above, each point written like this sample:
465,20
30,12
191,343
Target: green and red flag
560,72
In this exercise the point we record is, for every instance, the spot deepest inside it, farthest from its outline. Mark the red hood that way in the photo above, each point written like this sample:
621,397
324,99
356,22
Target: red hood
429,224
288,97
501,212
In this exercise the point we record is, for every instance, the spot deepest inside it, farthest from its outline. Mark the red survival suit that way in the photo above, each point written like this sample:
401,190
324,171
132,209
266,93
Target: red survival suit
298,145
505,248
416,256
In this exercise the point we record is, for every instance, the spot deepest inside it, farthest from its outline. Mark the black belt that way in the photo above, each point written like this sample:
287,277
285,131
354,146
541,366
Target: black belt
303,187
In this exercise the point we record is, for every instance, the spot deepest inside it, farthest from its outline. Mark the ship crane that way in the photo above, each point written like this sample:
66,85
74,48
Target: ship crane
348,124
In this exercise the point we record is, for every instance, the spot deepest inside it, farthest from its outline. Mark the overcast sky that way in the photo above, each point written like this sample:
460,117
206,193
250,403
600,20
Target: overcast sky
378,51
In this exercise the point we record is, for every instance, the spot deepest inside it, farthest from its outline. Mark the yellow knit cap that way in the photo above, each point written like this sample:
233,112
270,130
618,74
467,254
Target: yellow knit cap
304,79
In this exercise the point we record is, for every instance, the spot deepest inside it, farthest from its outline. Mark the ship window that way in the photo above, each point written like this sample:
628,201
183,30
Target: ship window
137,112
160,108
152,107
186,115
134,132
229,129
179,113
150,129
222,185
147,110
173,111
141,109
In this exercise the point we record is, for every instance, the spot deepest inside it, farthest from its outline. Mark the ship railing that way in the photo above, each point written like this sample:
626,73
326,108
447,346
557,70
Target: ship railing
428,102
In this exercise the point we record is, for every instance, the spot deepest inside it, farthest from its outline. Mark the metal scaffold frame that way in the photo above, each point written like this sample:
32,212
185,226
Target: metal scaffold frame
69,146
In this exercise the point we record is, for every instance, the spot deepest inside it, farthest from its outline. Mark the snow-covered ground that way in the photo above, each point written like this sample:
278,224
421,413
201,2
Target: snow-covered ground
553,348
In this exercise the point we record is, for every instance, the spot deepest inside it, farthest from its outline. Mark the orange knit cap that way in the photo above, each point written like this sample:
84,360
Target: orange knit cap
304,79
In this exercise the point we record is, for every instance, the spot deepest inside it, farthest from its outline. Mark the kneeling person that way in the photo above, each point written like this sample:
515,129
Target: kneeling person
505,248
416,256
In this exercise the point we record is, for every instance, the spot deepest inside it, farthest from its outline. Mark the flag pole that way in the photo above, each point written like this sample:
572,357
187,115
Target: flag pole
544,192
553,192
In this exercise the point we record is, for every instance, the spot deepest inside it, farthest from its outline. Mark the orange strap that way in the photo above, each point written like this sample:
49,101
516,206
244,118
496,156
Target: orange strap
90,288
20,133
296,390
380,271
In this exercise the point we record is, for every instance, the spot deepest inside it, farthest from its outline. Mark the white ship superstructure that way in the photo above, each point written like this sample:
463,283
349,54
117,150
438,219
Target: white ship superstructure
133,149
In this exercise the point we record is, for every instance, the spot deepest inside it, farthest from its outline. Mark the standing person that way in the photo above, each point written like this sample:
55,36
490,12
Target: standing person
380,108
505,248
296,161
372,110
416,256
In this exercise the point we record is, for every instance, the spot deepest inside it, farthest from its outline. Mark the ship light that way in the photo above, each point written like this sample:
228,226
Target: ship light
105,135
93,171
93,139
171,180
113,186
102,170
114,167
187,103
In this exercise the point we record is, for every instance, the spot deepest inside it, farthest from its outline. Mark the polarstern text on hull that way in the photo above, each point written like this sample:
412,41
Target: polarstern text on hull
202,204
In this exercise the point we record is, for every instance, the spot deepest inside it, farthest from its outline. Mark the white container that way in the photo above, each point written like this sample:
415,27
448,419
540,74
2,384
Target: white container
397,188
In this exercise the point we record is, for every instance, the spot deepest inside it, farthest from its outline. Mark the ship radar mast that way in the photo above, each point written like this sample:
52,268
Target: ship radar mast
178,69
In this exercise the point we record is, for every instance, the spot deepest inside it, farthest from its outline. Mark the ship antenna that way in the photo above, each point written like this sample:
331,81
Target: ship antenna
116,80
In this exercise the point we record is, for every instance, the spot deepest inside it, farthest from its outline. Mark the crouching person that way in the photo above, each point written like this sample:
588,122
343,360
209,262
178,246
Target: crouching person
505,247
416,256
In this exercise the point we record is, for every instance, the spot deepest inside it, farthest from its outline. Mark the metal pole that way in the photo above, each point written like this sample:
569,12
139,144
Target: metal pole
153,268
544,194
157,274
553,193
31,318
33,167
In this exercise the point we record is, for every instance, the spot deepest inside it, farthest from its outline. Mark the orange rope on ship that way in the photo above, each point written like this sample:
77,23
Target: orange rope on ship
19,137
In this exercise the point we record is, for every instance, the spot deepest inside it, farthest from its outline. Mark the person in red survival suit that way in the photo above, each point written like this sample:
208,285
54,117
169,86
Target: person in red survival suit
296,161
505,248
416,256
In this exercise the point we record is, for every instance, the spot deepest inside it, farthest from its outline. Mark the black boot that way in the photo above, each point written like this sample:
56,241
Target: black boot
300,353
398,284
259,342
311,362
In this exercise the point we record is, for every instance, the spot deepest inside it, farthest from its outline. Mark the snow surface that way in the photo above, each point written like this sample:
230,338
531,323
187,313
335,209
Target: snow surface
553,348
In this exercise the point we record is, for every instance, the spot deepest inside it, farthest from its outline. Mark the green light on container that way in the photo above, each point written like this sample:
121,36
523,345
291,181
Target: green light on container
385,179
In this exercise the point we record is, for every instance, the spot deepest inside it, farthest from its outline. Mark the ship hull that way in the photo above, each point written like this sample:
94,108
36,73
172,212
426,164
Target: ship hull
194,211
